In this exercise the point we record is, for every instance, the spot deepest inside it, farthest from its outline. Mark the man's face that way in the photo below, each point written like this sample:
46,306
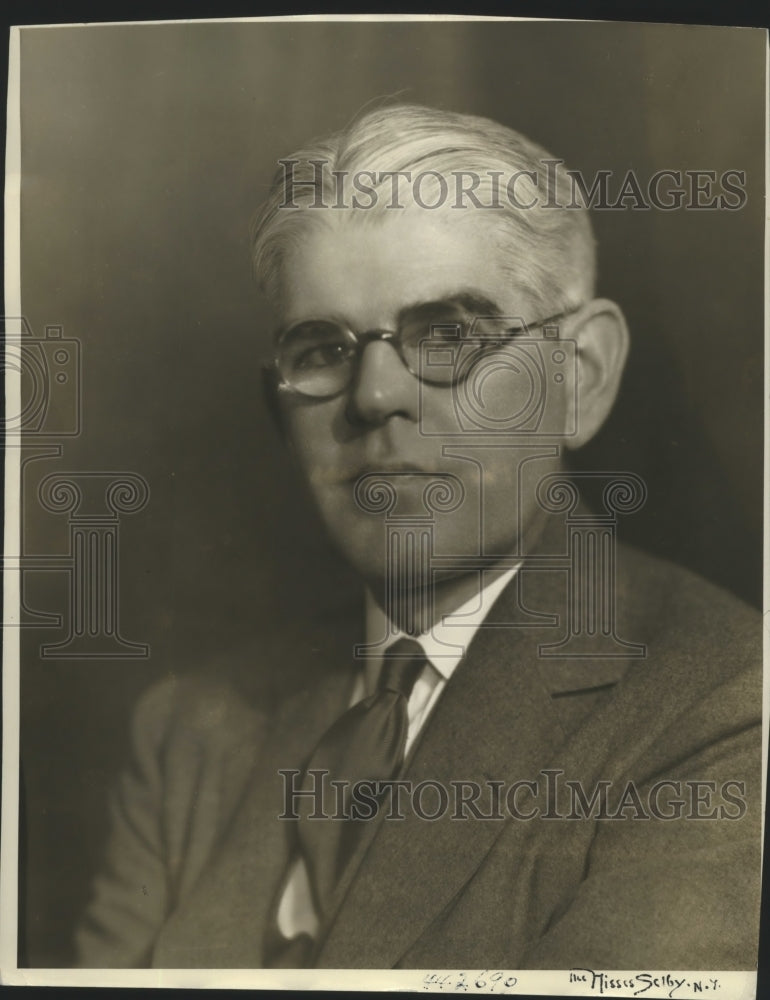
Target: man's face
365,276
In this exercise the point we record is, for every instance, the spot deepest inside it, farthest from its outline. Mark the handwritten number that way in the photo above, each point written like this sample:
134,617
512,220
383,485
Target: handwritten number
485,981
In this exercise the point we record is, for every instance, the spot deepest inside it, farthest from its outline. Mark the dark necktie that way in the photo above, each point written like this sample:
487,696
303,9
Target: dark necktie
365,744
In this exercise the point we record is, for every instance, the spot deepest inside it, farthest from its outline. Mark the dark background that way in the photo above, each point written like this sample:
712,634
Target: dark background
146,150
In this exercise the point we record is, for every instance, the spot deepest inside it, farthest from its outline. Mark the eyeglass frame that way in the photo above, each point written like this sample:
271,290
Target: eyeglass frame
272,371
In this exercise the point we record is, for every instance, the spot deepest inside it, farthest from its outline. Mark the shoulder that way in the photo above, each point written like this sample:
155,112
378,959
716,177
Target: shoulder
204,715
674,608
696,692
196,714
196,743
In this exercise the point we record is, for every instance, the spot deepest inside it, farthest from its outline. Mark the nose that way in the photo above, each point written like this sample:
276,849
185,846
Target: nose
384,386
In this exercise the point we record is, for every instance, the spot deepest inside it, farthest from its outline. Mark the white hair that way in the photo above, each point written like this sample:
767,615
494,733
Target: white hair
550,249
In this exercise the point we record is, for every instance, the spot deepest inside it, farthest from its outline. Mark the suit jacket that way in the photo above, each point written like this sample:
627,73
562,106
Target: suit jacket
197,853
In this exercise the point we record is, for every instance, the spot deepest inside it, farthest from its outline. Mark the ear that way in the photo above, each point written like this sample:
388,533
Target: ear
602,342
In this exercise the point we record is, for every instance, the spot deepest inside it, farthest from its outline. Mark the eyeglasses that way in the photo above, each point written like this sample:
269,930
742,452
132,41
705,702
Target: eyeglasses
319,358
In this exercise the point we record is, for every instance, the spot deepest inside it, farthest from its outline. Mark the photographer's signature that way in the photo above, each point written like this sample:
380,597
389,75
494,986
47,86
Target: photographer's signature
666,984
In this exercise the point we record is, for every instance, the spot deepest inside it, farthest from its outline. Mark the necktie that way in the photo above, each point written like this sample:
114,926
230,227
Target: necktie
365,744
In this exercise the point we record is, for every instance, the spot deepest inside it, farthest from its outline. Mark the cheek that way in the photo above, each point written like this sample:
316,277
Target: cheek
497,397
317,456
502,393
518,391
310,430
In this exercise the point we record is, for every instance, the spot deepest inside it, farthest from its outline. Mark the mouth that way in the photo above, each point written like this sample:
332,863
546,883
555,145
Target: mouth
400,469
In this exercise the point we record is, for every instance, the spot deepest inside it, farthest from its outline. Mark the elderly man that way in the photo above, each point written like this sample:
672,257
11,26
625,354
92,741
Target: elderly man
543,751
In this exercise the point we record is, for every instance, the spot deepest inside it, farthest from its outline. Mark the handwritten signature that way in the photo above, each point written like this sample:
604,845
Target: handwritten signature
667,983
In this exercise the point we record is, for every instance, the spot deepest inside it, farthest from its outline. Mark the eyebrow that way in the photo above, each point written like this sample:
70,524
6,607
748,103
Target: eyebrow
471,300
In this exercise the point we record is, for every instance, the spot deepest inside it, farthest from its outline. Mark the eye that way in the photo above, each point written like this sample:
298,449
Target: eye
322,356
315,344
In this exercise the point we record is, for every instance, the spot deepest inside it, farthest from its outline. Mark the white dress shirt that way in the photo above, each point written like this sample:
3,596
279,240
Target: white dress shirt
444,646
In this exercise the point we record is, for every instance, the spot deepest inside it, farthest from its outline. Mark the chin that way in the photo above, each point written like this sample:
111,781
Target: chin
366,551
362,545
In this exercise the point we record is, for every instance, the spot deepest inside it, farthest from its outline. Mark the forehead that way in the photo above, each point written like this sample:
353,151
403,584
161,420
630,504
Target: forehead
366,271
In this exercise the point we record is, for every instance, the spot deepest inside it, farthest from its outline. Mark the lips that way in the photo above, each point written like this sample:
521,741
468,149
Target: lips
391,469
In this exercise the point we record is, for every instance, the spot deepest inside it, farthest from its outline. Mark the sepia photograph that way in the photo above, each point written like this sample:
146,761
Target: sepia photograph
384,524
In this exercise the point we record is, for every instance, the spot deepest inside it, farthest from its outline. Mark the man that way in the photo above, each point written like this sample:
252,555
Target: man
439,346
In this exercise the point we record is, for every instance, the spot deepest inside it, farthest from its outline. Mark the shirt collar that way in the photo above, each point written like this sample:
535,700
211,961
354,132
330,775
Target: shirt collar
444,645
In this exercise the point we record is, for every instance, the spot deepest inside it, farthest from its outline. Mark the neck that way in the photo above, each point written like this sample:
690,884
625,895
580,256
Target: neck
416,610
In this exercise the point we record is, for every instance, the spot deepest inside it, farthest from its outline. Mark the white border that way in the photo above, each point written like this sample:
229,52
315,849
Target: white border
730,985
9,830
